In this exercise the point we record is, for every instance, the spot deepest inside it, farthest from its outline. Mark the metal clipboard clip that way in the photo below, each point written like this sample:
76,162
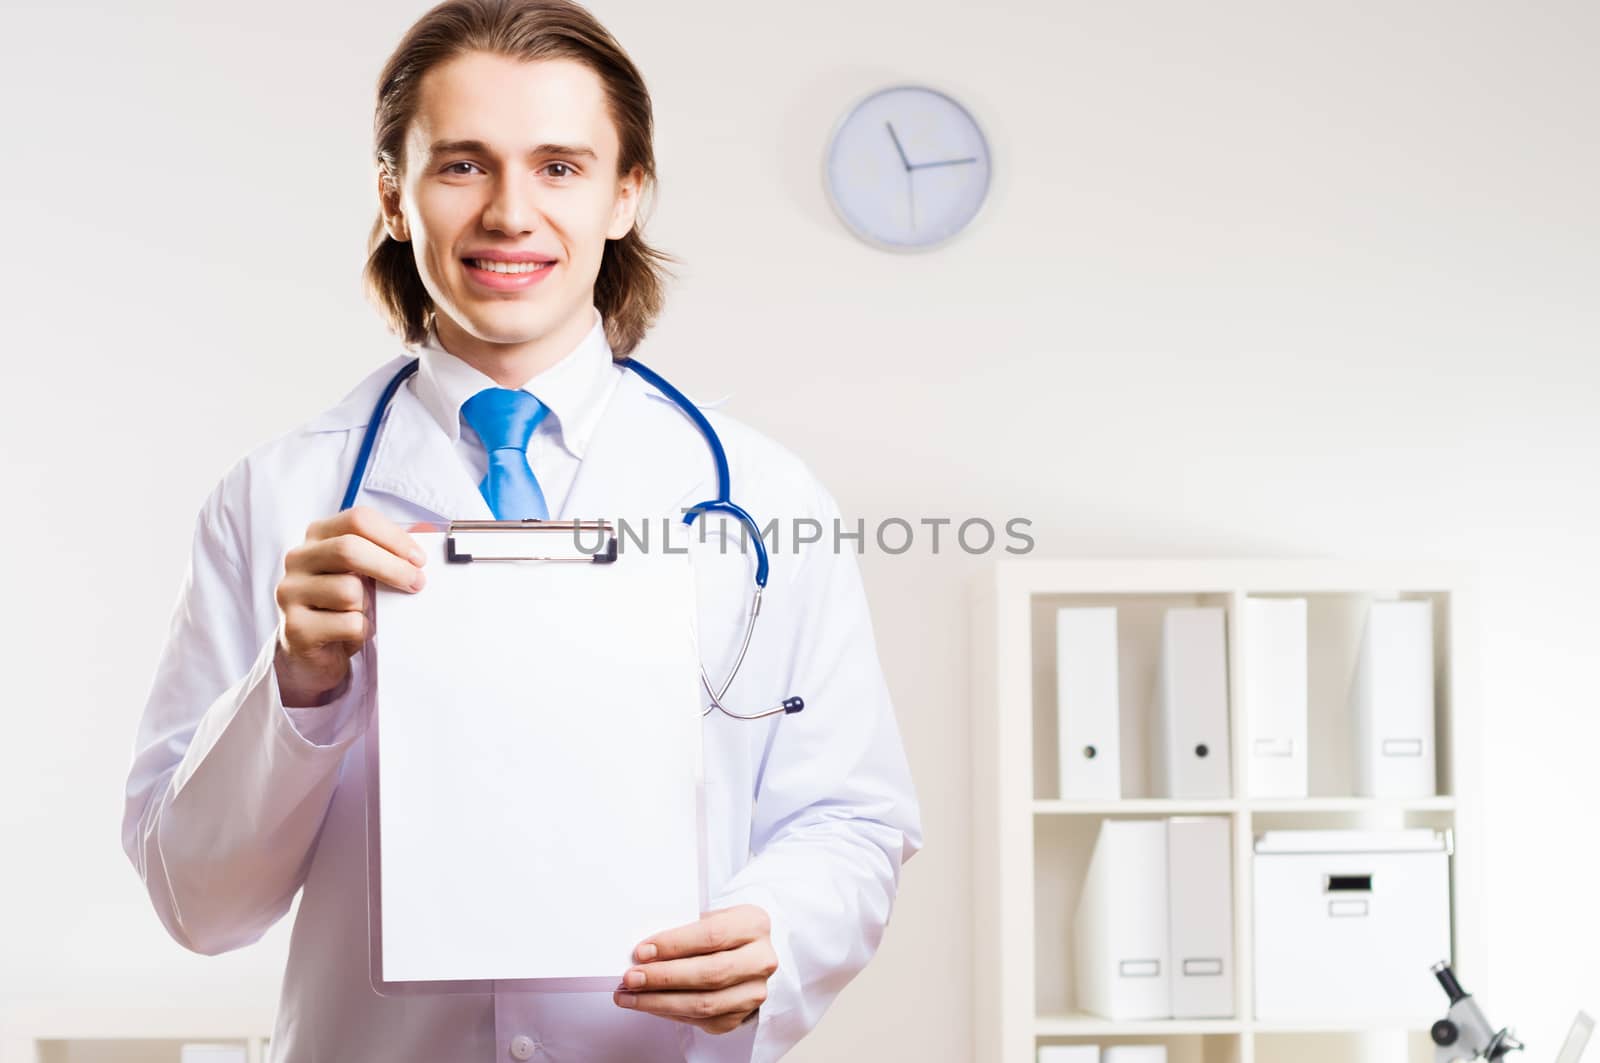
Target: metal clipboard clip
529,540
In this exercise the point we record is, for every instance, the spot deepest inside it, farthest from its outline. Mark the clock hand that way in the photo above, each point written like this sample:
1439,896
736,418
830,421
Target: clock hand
942,162
903,160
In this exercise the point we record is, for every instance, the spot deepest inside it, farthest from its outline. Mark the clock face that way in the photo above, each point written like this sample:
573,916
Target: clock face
908,168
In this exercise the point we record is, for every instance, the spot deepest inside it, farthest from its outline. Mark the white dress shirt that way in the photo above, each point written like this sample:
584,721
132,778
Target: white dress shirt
575,390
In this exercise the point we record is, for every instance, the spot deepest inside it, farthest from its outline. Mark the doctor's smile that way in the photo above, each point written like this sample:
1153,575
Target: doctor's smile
506,271
513,150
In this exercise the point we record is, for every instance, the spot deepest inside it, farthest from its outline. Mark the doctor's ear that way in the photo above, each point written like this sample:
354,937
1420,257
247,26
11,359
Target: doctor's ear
626,208
394,219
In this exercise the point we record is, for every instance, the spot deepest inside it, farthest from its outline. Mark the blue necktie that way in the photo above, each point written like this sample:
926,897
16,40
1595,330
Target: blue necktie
505,420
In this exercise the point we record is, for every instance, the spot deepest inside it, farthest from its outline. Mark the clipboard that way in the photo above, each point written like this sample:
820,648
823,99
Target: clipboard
535,794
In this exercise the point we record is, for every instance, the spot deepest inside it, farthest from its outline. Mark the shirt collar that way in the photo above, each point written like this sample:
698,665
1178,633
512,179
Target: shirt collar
574,388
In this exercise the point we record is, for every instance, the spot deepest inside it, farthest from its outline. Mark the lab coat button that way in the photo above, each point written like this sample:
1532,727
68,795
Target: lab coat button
522,1047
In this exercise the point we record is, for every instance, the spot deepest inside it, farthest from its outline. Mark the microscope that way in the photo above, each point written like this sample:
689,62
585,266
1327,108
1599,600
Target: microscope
1464,1034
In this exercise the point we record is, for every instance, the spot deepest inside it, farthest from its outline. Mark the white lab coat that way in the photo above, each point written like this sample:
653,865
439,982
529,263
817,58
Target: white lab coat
231,808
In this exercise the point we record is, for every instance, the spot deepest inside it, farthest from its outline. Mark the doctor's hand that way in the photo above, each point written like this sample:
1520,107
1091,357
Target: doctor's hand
324,593
711,974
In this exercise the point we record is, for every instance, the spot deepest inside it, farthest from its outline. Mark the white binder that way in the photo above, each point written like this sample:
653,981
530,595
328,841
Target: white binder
1069,1054
1275,696
1391,701
1200,892
1120,928
1088,725
1191,706
1134,1054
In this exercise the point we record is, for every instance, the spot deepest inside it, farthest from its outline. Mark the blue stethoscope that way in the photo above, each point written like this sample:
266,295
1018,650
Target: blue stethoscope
723,503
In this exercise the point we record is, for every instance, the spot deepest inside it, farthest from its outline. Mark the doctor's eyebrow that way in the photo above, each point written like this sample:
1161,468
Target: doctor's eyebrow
478,147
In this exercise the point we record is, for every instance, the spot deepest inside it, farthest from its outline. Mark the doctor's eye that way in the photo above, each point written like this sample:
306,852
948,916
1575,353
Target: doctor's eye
569,170
450,168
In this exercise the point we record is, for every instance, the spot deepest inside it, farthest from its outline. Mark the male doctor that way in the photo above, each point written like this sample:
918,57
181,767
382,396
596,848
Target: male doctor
507,180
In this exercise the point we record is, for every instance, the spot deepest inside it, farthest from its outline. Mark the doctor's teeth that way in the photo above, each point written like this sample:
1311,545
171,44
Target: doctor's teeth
506,267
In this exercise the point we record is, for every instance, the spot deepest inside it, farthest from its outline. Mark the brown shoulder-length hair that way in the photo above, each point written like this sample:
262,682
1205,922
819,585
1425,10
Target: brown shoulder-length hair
628,290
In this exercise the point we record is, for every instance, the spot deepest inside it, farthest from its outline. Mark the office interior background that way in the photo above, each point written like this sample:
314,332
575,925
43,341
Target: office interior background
1254,280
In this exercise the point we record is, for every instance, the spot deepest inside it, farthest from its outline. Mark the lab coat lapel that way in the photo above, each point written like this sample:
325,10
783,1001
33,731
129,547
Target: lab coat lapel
414,460
637,466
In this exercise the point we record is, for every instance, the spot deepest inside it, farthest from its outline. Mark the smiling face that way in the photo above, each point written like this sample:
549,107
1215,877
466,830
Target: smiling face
508,194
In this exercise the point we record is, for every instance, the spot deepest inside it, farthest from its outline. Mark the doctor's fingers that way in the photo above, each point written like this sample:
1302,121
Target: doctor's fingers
725,928
307,630
355,554
331,590
718,1011
369,524
718,970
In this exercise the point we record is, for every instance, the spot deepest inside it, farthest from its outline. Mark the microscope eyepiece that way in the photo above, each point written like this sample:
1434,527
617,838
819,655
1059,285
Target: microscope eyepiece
1447,980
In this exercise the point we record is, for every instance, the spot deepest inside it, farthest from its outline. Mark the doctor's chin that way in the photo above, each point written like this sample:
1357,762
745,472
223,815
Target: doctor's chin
569,532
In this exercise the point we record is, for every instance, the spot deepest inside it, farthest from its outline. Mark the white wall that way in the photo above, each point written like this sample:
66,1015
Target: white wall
1256,279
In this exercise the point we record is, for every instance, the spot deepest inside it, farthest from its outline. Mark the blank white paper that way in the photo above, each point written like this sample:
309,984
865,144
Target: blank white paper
539,748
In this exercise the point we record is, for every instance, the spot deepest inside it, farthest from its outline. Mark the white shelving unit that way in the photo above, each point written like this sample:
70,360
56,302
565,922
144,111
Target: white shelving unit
1031,850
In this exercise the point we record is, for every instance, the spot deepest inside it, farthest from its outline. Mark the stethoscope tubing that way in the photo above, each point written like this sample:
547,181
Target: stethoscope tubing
723,503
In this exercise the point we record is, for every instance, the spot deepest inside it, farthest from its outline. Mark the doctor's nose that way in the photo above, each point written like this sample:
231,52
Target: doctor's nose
513,207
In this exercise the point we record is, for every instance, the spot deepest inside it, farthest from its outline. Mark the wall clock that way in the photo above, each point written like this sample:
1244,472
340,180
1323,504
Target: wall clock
907,168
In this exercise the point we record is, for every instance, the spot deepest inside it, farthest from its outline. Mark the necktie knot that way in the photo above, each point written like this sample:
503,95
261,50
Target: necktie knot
503,418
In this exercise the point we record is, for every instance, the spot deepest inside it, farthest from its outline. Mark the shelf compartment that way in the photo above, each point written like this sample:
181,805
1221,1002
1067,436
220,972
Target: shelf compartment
127,1050
1185,1042
1335,622
1139,619
1062,849
1342,1046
